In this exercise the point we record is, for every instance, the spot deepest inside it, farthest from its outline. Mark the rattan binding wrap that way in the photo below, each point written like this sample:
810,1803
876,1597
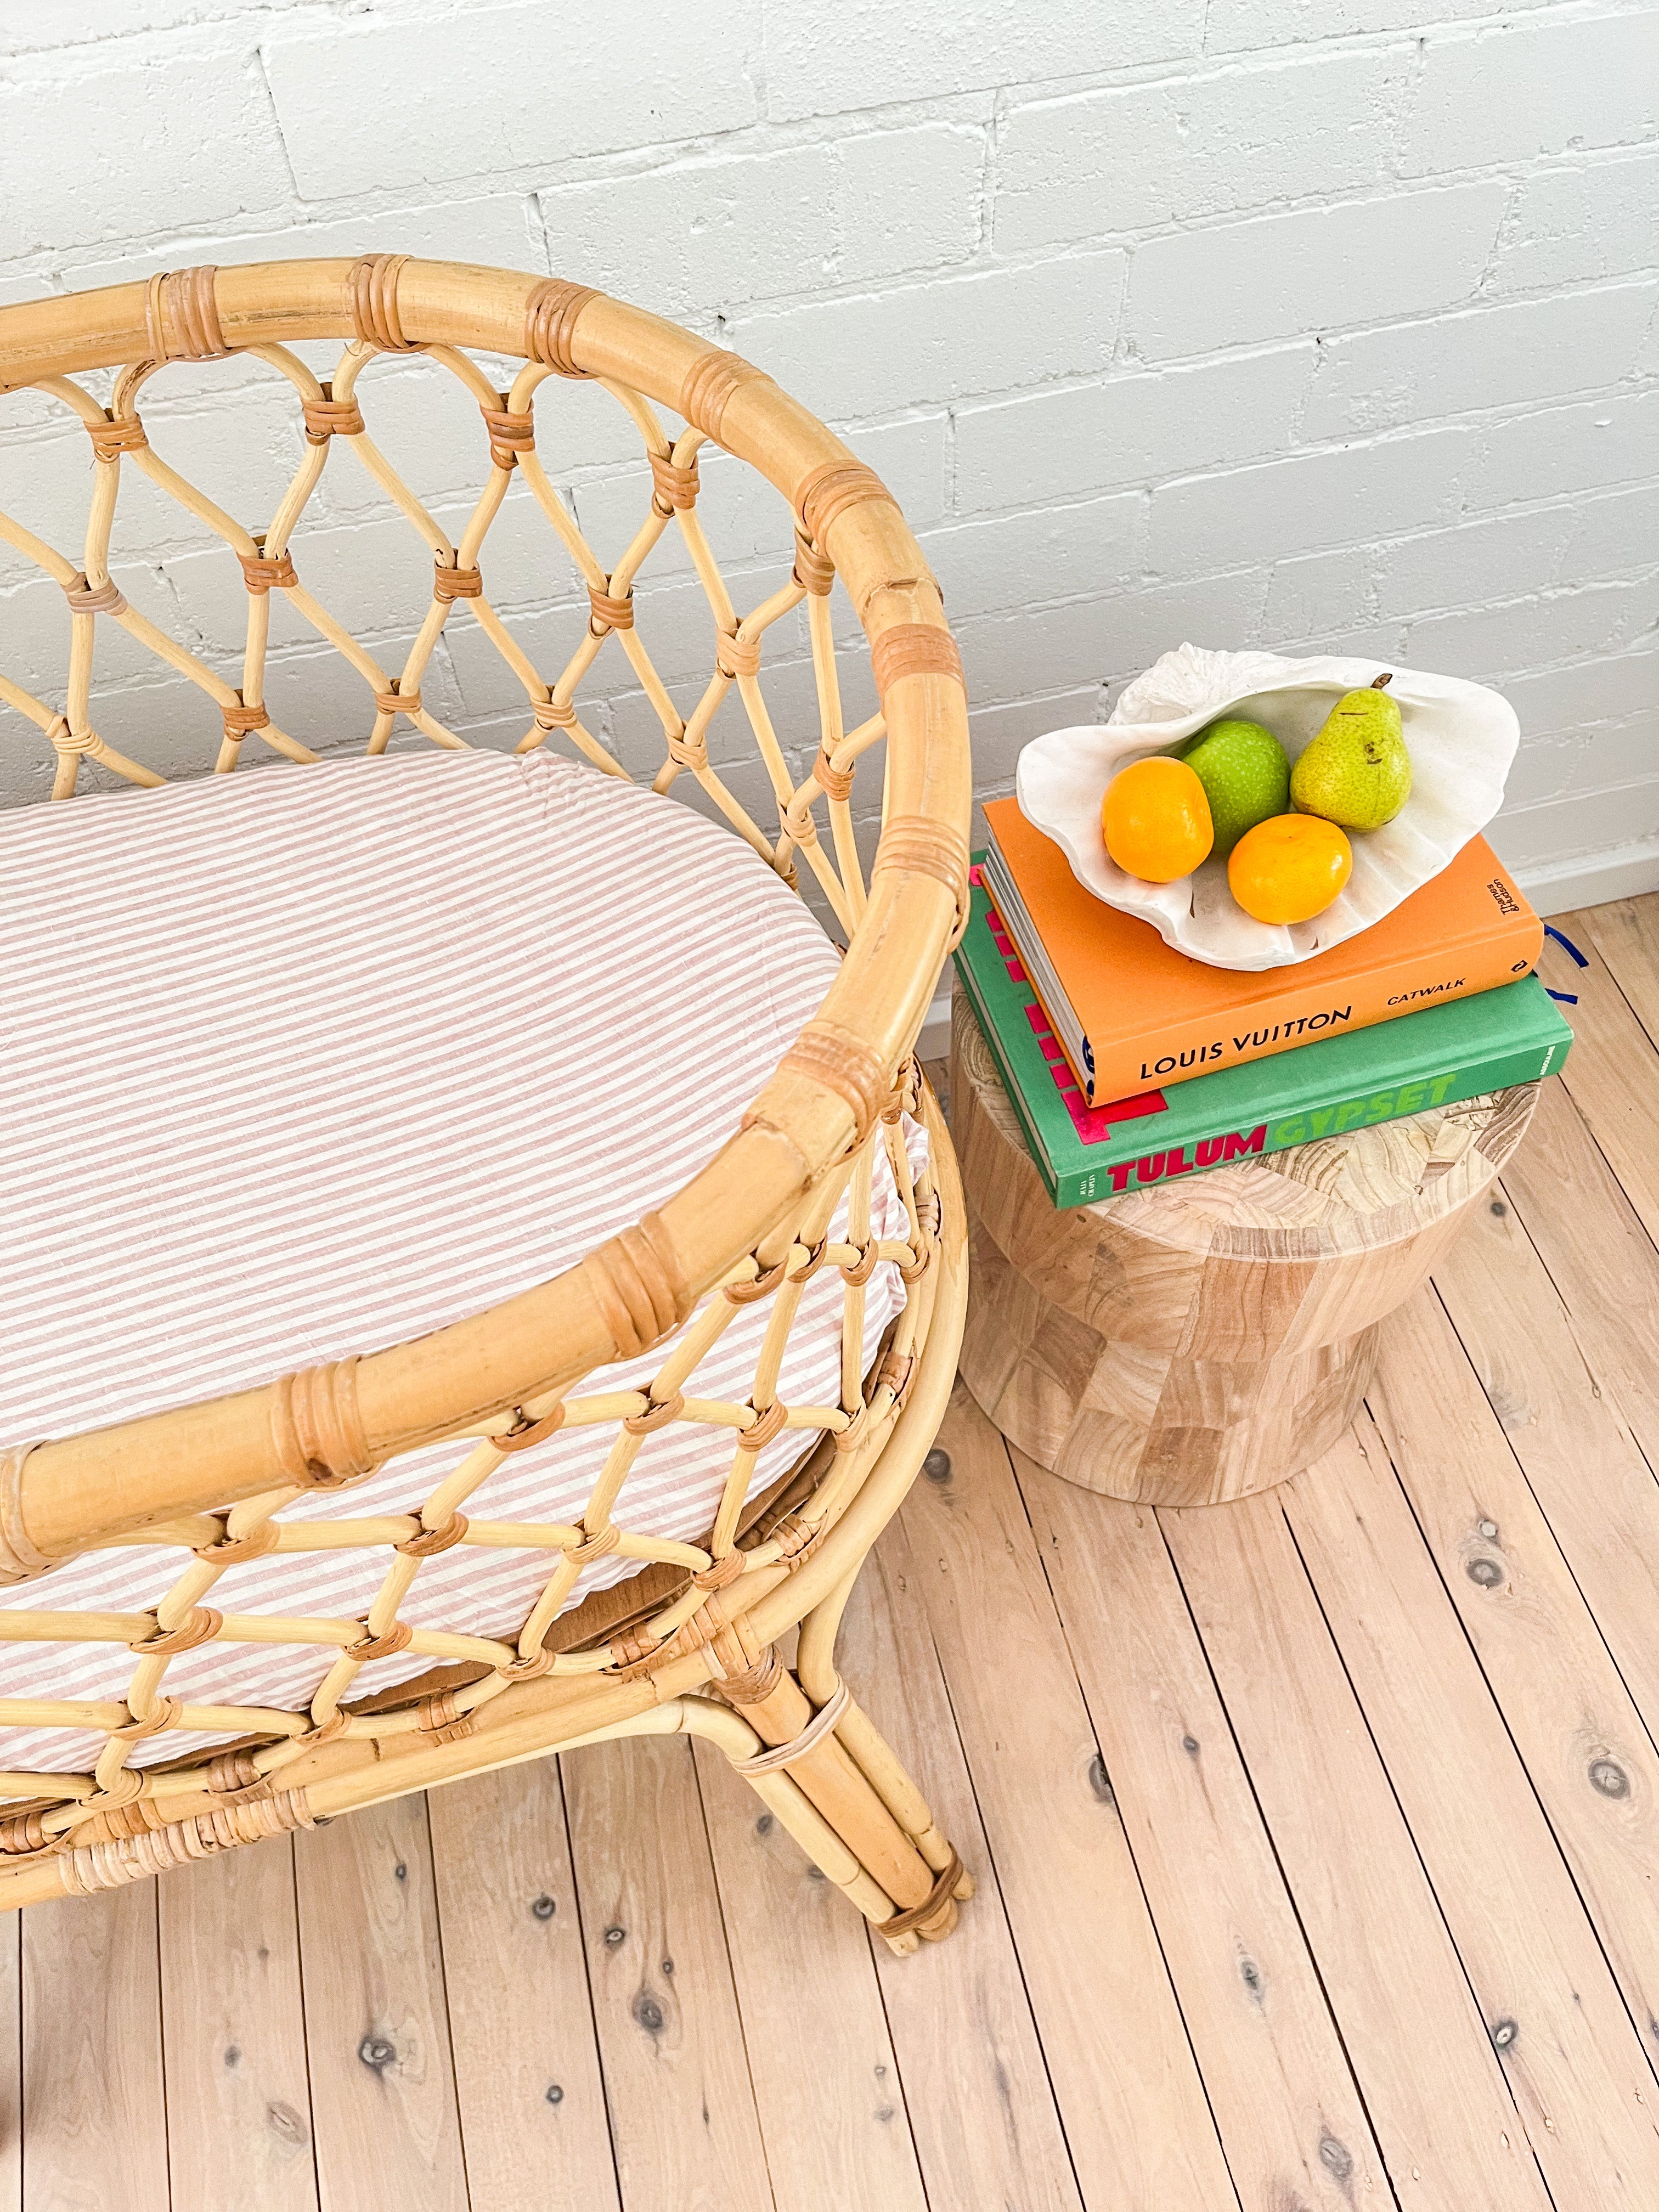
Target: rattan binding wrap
749,1230
709,385
317,1431
549,325
241,719
914,649
828,492
20,1559
373,292
910,842
181,317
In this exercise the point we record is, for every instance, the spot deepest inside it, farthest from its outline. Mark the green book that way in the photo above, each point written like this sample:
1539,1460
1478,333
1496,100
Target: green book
1459,1048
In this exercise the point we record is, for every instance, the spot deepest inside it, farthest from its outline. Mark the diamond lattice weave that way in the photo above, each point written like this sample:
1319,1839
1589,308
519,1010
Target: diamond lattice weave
308,1062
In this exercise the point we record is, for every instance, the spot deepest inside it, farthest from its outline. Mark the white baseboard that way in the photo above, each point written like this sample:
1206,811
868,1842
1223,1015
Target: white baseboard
1558,886
935,1042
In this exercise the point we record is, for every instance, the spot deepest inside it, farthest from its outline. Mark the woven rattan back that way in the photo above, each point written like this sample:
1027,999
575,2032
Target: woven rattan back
214,1478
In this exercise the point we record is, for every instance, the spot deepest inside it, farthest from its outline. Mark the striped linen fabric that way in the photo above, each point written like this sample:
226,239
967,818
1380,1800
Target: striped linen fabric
310,1061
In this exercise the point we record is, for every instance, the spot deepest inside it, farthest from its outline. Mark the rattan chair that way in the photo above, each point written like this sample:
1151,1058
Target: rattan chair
690,1644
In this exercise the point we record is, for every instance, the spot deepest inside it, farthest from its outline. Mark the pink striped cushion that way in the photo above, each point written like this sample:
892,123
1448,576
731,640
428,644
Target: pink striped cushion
306,1061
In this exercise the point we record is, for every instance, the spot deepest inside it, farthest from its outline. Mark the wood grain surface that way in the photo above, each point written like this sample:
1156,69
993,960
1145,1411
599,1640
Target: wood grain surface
1582,2081
795,1950
976,2068
1613,1071
11,2067
1279,2081
93,2097
527,2079
377,2027
234,2035
1445,2120
1052,1825
684,2126
1203,1340
1382,1937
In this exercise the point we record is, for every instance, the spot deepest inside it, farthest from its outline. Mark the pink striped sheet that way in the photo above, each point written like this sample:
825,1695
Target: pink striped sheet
310,1061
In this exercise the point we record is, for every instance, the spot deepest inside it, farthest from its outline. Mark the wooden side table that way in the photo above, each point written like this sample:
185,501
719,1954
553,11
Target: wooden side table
1202,1339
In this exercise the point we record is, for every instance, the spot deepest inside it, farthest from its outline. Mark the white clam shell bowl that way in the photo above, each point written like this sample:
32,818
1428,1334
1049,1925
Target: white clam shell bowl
1461,738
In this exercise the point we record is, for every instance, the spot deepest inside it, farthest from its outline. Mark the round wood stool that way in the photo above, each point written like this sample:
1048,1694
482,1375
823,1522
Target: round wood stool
1202,1339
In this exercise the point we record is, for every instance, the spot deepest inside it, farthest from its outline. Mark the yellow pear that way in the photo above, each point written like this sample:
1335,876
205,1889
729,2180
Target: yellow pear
1357,772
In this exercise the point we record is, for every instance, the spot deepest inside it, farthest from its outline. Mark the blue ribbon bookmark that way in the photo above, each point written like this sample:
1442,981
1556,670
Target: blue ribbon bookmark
1565,998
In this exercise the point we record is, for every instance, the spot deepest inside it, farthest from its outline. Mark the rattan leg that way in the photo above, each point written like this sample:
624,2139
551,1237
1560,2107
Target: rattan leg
877,1761
855,1784
789,1803
824,1841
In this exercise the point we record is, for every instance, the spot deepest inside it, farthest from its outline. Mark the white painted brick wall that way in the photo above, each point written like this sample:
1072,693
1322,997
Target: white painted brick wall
1320,323
1318,268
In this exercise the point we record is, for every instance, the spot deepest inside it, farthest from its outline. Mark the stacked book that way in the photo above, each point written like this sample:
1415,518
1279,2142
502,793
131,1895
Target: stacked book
1129,1064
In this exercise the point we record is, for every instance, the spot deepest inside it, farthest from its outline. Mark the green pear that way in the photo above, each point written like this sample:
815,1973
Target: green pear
1245,775
1357,772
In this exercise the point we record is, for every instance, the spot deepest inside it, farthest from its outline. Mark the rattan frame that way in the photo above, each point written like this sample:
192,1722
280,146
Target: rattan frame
212,1477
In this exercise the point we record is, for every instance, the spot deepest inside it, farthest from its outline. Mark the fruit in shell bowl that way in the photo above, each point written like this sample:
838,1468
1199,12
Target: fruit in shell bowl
1240,853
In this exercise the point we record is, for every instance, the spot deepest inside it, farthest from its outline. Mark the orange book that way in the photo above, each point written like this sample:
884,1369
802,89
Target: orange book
1132,1014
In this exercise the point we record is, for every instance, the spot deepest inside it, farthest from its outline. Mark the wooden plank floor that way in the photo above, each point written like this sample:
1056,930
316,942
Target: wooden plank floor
1318,1839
